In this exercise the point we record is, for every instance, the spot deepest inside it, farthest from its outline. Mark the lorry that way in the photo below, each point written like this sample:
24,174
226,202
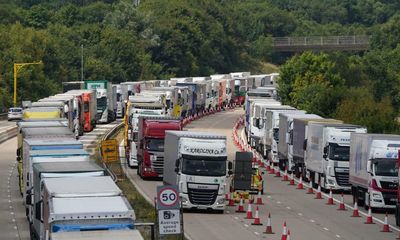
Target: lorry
197,162
285,145
67,86
210,100
74,205
198,96
297,152
131,234
270,138
240,86
374,170
106,99
42,113
327,154
150,145
89,108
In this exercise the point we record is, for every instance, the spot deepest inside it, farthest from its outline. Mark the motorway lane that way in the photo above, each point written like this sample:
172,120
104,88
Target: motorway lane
306,217
13,223
7,124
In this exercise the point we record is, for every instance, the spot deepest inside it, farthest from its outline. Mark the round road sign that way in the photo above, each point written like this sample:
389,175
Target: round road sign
168,197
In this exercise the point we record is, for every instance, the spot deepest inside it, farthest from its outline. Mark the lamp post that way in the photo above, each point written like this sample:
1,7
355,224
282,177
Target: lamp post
17,67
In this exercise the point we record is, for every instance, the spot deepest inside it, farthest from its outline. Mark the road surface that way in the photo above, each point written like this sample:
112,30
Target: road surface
306,217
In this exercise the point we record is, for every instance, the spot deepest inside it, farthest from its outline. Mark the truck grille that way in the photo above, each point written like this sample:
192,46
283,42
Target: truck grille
389,185
342,177
389,198
202,196
158,165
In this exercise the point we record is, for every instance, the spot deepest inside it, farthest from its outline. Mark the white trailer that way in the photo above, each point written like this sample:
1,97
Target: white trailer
373,170
197,163
327,154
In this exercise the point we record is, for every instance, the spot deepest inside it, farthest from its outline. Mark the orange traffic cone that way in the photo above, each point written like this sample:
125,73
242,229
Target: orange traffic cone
285,175
240,207
291,179
341,205
300,184
277,172
259,199
284,232
231,201
355,210
330,198
369,217
268,230
249,213
386,227
256,219
318,194
310,189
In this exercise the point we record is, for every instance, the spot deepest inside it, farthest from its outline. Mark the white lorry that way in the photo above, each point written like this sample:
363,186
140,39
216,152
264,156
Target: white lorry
373,169
197,163
81,204
327,154
270,137
285,144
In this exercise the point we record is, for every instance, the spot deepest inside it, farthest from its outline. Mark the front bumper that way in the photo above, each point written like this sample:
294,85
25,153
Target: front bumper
219,203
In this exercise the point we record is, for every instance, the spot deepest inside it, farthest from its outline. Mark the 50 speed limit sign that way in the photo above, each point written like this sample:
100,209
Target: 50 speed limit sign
168,197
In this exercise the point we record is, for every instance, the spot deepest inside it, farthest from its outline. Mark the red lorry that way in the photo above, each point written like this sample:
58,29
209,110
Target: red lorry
150,148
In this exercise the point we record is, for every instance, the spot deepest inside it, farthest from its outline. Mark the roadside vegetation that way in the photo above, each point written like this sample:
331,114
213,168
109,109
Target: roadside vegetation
160,39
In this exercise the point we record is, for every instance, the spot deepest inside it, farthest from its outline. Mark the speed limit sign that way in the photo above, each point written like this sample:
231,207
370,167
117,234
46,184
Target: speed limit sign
168,197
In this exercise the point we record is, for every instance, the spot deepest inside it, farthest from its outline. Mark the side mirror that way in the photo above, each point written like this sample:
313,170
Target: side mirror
177,170
230,172
325,150
305,145
177,163
230,166
325,155
28,199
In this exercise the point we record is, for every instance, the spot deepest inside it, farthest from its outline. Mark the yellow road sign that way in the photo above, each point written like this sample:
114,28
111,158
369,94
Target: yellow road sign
109,150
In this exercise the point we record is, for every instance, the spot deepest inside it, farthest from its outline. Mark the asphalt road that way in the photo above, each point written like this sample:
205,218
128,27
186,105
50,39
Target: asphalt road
306,217
13,223
7,124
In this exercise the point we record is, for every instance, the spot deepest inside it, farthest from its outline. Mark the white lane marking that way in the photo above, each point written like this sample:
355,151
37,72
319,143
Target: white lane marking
236,218
311,220
300,214
288,207
268,196
338,236
278,202
326,229
256,233
246,225
228,212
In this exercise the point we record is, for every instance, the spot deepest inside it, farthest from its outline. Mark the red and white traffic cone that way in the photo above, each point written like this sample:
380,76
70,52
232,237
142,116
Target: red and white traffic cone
262,165
284,232
318,194
231,201
310,189
355,210
300,184
249,213
277,172
268,229
369,217
268,167
386,227
240,207
272,171
288,234
291,182
330,198
341,204
259,199
285,176
256,219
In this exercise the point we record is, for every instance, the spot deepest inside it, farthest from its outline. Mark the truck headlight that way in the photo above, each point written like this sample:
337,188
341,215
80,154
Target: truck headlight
153,157
376,195
221,201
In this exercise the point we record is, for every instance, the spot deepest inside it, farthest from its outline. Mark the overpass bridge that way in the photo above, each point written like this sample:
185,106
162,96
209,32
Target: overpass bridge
321,43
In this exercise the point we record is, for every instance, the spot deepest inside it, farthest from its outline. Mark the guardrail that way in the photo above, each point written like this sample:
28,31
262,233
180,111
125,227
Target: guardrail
3,116
107,136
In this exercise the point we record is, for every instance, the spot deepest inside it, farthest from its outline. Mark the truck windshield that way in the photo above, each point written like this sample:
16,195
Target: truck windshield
339,153
200,167
101,102
386,168
155,144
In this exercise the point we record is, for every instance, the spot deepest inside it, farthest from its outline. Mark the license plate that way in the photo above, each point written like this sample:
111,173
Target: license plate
393,199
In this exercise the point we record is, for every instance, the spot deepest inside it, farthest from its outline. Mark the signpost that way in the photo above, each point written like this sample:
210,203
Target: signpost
109,150
169,211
